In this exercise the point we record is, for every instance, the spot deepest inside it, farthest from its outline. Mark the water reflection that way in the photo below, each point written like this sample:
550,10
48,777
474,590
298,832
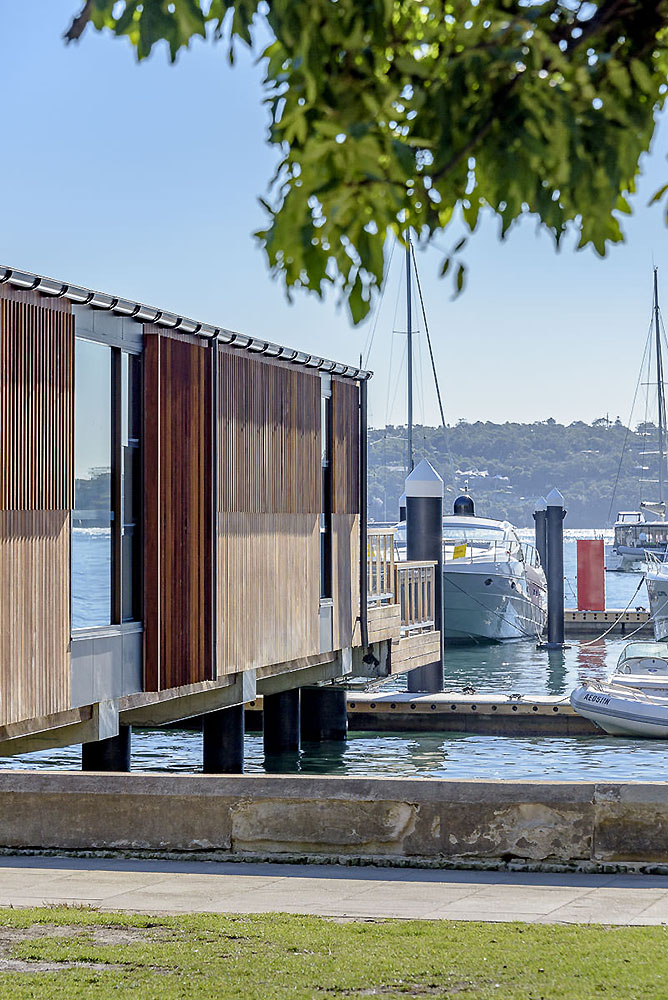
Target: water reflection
596,659
281,763
556,671
328,757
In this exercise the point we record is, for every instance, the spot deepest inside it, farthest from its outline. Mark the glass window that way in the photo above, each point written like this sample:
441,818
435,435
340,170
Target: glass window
92,515
106,537
130,472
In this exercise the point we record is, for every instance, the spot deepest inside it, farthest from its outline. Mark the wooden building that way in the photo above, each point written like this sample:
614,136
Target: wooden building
179,518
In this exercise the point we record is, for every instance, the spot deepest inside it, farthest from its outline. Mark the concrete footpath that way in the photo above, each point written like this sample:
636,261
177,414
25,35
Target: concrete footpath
333,891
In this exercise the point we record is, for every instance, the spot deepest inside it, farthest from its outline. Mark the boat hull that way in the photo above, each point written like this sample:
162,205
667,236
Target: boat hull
619,714
477,611
656,581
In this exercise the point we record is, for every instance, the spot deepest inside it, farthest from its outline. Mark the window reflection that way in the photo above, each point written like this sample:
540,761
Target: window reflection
130,472
92,517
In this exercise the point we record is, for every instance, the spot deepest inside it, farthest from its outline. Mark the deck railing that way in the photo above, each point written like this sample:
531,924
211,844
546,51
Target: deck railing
380,562
415,594
409,584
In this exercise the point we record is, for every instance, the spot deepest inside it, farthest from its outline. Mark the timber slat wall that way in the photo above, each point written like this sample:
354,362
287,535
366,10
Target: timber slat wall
268,511
34,614
36,489
178,466
35,408
345,519
345,451
269,426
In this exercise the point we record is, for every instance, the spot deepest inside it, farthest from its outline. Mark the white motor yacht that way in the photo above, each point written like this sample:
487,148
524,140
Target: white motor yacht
634,699
494,587
636,541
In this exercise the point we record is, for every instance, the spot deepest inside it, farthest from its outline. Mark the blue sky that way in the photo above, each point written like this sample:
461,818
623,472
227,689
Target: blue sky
143,180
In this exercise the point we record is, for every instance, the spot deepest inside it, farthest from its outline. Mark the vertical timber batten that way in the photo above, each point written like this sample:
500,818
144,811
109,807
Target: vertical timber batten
36,493
268,512
346,508
178,475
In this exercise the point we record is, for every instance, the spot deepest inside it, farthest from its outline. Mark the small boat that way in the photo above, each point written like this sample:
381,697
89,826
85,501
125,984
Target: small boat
634,699
635,541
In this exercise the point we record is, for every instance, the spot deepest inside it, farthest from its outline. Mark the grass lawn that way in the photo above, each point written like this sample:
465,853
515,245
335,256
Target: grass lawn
69,953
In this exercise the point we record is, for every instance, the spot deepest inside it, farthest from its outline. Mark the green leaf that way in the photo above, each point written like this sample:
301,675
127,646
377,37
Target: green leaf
658,195
444,109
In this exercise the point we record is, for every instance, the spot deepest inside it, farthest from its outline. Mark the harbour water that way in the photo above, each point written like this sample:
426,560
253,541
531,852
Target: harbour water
514,667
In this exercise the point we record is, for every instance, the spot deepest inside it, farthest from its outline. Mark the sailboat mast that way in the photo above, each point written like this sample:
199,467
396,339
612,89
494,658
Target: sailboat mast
659,386
409,331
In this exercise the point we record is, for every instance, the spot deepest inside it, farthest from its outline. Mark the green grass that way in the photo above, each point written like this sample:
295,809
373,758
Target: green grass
215,957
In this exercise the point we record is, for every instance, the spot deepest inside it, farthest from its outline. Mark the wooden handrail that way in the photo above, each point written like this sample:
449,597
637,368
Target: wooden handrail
414,589
380,562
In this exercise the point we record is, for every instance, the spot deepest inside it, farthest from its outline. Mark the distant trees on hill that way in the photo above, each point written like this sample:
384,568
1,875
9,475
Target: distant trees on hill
507,466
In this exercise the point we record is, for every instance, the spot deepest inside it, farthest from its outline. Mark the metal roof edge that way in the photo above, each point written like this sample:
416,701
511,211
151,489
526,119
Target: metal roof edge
142,313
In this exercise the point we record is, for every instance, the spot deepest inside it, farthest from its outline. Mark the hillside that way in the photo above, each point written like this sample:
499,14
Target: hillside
508,465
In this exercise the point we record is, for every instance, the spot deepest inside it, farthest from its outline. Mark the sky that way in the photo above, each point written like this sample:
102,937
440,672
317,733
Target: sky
143,180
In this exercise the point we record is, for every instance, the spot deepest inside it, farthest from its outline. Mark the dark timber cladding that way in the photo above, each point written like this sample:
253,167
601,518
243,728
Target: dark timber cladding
36,484
268,510
178,465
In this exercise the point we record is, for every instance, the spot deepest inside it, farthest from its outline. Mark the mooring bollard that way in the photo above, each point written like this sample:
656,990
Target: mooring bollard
555,569
540,517
424,541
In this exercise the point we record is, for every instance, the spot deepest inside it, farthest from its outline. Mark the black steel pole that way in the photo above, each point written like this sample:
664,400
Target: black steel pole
540,517
555,568
424,540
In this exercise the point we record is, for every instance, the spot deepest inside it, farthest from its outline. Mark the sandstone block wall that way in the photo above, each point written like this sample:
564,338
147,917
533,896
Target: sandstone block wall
330,816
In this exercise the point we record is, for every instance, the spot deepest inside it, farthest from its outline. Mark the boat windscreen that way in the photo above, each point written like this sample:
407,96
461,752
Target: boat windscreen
473,534
635,650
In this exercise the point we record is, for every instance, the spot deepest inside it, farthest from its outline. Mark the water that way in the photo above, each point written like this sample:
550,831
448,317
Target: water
511,667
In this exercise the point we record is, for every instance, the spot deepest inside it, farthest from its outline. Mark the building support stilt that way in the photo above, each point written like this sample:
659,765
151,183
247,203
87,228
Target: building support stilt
324,714
223,741
112,754
281,722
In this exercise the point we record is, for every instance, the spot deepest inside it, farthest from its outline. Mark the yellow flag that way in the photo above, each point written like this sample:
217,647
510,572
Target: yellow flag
459,552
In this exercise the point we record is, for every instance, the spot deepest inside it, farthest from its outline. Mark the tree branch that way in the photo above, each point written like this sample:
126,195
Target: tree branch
78,25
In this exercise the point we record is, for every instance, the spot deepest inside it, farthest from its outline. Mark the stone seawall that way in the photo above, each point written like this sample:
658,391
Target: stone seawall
433,819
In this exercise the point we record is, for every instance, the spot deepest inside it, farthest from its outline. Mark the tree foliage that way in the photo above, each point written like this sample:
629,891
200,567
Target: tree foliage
396,113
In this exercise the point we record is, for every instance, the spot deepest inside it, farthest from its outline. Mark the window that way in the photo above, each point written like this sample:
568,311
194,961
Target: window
106,587
130,470
326,493
91,519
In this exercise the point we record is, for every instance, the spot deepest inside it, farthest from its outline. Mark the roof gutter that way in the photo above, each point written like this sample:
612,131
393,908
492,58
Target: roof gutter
80,296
